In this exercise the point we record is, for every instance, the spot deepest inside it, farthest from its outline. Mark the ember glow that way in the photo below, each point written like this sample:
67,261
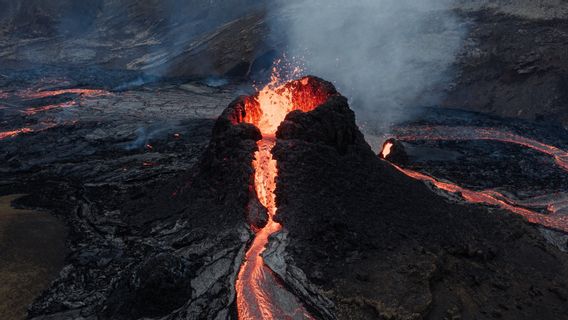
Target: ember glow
257,286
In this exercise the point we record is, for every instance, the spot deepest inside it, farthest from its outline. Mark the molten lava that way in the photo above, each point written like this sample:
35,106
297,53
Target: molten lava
13,133
257,286
28,94
554,220
476,133
42,126
387,148
32,111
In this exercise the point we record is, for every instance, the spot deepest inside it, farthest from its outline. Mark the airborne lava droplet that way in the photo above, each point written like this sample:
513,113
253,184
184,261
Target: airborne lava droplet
257,287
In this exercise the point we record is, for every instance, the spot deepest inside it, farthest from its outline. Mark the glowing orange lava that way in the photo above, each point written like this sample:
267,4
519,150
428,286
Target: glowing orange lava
257,286
50,93
553,220
13,133
477,133
42,126
387,149
32,111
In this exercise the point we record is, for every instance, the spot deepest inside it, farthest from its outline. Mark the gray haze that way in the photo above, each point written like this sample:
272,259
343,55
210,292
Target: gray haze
383,54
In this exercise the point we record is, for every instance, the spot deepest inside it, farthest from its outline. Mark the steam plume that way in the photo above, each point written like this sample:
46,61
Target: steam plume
383,54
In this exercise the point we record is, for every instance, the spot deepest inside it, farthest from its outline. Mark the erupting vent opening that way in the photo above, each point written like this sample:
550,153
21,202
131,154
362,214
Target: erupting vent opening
387,147
257,287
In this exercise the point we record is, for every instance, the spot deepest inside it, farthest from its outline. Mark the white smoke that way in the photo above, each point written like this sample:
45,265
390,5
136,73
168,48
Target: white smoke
385,55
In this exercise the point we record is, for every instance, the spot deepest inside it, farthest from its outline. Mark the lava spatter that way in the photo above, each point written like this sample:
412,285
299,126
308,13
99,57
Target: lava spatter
259,293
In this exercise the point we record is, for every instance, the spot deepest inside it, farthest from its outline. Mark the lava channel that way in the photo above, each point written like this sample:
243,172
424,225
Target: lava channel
13,133
42,126
478,133
260,294
35,110
29,94
554,220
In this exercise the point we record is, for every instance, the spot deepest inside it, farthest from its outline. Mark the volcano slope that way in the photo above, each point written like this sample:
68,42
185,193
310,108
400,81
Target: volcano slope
381,245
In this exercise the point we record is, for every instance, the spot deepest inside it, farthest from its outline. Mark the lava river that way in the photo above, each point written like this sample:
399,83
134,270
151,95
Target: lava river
474,133
260,294
556,205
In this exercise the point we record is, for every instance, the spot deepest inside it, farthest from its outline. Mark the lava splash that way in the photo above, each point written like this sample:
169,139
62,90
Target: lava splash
259,292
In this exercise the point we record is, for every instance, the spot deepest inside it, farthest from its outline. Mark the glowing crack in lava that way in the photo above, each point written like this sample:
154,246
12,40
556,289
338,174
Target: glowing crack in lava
29,94
259,292
13,133
64,105
554,220
42,126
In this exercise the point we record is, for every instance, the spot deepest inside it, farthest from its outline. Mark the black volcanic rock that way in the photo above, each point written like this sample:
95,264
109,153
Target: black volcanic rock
157,287
513,63
169,247
384,246
331,124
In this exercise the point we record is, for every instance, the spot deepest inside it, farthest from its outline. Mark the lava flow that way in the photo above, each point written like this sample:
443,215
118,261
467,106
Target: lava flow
13,133
259,294
28,94
554,220
64,105
476,133
42,126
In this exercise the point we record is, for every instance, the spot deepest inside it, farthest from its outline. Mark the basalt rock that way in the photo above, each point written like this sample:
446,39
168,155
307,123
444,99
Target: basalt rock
155,288
332,124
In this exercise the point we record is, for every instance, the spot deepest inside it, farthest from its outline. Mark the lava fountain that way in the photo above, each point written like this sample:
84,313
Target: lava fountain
258,289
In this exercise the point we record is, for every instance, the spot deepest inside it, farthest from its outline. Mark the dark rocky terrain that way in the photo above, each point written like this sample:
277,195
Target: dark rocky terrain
512,63
152,175
93,168
514,66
